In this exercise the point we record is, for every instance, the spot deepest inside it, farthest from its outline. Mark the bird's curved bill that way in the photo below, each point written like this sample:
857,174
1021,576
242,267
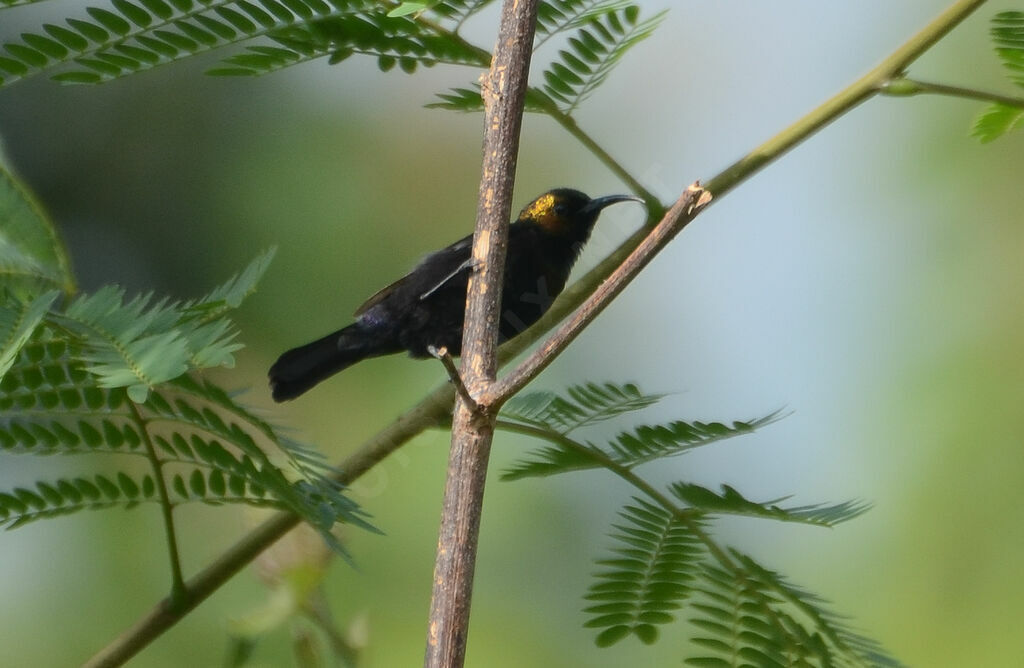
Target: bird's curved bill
599,203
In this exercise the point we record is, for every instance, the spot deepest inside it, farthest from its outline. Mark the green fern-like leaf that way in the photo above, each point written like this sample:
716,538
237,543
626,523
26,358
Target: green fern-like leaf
550,417
32,258
1008,35
49,403
593,52
45,500
646,579
223,436
135,35
553,460
469,100
584,405
458,11
649,442
459,99
730,501
129,343
142,342
751,615
216,488
211,447
555,16
996,121
66,496
233,292
18,321
394,41
1007,32
748,615
665,554
737,624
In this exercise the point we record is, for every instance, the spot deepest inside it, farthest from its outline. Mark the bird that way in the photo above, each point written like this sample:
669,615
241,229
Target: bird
423,311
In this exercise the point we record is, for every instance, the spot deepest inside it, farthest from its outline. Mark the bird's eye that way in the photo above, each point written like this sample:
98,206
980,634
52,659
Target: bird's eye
562,209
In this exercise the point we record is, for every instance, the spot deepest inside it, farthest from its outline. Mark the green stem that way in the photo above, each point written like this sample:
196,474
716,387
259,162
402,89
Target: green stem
851,96
178,591
905,87
655,209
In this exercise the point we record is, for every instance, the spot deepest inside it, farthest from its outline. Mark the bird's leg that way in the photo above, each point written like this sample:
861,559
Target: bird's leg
453,373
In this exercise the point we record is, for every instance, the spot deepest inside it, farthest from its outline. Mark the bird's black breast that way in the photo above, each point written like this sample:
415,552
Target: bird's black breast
536,270
427,306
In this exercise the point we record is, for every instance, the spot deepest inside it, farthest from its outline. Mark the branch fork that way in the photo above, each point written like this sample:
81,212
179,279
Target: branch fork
455,377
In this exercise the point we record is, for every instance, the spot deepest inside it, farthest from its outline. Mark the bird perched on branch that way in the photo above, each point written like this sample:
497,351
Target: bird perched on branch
426,308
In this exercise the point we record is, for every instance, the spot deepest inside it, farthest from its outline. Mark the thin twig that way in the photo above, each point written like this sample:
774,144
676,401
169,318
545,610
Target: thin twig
504,93
904,87
654,206
453,374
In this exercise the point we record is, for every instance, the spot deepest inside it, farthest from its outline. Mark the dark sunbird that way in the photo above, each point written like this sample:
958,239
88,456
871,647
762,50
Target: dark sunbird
425,309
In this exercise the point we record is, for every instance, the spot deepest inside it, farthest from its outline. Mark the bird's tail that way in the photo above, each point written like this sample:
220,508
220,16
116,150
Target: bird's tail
299,369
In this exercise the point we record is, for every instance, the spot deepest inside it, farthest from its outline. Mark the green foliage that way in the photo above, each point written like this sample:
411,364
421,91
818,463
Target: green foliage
647,577
130,36
134,35
205,445
469,100
996,121
110,375
552,417
393,40
1008,36
593,52
458,11
556,17
31,256
606,31
584,405
65,496
18,320
140,342
649,442
731,502
748,615
407,8
665,558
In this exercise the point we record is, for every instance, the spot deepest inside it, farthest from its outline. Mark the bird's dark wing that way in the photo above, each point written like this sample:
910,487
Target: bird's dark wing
432,272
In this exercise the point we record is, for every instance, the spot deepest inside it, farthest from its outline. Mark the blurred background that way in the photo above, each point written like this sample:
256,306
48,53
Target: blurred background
870,283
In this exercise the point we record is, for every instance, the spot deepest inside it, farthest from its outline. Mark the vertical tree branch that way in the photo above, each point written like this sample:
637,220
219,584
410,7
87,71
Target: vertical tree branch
504,92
